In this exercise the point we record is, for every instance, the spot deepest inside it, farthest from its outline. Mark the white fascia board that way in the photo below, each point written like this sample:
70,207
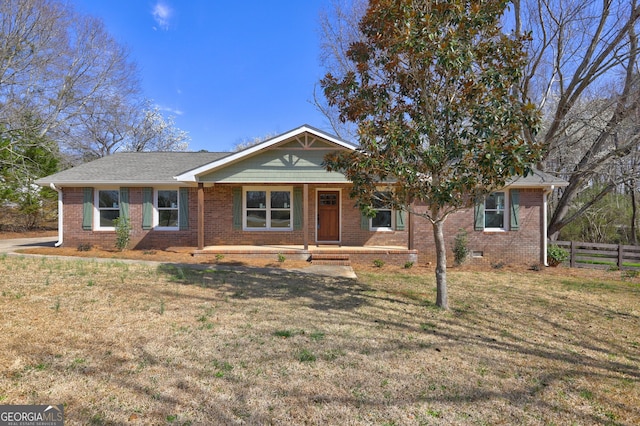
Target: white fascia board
97,184
191,175
542,185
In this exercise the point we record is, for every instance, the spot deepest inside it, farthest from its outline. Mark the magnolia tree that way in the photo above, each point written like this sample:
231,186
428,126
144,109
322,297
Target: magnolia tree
432,91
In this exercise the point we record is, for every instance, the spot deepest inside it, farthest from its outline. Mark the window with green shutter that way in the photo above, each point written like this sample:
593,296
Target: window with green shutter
515,209
297,208
498,211
168,205
183,208
401,216
124,203
147,208
237,207
108,206
267,208
87,209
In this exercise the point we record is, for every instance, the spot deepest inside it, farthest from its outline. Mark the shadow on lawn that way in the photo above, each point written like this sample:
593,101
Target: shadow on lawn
567,354
244,282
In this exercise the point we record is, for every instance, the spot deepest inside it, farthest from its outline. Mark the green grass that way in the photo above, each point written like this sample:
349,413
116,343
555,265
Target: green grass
607,260
306,355
283,333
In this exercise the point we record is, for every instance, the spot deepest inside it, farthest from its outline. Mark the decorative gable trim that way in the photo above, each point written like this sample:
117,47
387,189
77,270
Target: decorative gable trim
192,175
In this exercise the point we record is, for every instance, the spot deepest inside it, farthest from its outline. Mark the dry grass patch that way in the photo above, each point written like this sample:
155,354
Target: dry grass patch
121,343
181,256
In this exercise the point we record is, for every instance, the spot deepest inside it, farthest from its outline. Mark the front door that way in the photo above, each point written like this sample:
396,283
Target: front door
328,216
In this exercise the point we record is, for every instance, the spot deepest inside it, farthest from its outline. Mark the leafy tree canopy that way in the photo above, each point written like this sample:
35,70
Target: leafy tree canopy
434,100
433,94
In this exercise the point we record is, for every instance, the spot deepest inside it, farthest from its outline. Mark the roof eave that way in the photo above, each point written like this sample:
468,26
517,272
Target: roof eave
192,175
543,185
108,183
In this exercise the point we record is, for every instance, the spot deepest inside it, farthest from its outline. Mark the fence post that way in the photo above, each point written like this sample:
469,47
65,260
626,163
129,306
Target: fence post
572,261
620,256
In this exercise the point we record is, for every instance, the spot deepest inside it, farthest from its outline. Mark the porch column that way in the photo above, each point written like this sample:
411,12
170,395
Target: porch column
200,216
305,216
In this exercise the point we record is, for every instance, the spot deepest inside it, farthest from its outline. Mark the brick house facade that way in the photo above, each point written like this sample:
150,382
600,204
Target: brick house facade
276,193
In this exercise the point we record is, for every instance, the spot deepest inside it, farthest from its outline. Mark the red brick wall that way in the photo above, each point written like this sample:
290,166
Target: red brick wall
508,247
219,222
522,246
74,235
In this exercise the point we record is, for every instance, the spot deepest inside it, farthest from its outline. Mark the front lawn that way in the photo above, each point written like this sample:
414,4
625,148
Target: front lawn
120,343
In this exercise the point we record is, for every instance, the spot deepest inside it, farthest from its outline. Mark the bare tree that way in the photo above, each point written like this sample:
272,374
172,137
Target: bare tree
151,131
338,30
582,73
113,123
54,61
65,69
249,142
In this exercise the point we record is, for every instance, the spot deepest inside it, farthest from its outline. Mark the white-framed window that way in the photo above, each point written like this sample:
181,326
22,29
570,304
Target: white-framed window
268,208
107,204
495,211
384,218
167,211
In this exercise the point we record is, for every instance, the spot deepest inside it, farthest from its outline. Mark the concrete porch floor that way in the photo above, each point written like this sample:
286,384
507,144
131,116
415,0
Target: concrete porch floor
300,248
357,254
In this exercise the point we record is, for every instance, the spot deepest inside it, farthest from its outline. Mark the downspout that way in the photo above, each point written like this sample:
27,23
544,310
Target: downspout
545,237
60,213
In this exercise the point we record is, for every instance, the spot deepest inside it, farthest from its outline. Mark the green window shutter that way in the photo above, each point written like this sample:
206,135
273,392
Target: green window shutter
87,209
124,203
515,209
297,208
237,208
478,215
364,221
183,208
147,208
400,220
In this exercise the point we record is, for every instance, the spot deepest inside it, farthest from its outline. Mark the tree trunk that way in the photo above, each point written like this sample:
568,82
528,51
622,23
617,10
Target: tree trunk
441,266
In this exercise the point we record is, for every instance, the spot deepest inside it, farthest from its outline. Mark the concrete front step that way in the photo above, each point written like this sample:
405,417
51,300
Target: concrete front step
331,262
340,259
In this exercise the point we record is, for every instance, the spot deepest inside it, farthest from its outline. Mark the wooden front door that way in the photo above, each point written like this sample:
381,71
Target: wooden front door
328,216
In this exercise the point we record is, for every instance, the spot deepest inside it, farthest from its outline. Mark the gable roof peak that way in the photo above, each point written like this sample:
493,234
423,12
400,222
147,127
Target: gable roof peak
190,176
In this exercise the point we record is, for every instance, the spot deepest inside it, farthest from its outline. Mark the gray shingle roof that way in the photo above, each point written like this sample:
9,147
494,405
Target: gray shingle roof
133,168
158,168
537,179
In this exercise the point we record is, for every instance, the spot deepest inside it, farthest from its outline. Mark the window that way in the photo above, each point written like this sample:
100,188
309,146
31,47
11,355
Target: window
494,210
108,208
267,209
167,206
383,220
498,211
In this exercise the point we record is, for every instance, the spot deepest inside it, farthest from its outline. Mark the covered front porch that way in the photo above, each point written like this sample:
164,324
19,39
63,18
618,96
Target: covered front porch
317,254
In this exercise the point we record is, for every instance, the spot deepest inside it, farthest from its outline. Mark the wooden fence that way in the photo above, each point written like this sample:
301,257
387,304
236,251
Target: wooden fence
600,256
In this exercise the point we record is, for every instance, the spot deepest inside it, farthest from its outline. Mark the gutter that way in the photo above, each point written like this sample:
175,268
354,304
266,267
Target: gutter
60,213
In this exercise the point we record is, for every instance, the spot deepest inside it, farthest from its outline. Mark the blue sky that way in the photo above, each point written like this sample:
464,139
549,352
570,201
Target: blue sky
226,70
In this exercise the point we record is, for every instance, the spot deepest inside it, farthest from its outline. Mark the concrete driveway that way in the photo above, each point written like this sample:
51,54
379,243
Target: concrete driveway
9,246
